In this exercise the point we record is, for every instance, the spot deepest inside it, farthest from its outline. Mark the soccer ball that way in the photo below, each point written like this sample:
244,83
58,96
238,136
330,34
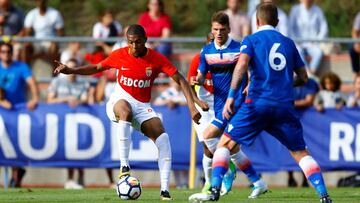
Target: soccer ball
128,188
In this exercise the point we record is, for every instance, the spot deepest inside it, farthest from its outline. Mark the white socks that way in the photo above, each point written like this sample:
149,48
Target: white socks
206,163
211,144
124,132
240,159
164,162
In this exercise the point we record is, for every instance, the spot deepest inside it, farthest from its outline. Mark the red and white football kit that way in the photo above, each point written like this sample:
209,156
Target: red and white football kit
135,78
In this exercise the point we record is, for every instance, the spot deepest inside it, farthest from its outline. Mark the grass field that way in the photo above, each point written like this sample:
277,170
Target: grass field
347,195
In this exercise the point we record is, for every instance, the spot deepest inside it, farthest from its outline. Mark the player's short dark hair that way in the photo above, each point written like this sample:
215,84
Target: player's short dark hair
136,29
8,45
221,18
334,78
267,13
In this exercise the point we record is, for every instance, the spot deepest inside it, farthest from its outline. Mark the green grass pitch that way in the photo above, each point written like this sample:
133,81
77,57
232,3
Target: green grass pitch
306,195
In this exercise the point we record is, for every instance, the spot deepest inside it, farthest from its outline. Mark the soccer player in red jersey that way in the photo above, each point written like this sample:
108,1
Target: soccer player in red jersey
137,67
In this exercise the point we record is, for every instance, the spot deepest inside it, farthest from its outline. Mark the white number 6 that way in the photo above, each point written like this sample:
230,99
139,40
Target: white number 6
276,55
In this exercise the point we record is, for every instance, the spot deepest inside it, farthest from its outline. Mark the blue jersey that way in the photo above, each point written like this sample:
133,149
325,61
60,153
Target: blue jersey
221,61
273,60
13,81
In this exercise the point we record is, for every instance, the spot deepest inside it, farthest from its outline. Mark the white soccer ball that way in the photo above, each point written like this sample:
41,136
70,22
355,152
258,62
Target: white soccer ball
128,188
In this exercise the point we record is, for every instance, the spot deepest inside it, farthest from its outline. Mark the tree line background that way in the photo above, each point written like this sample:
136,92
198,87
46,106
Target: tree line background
189,17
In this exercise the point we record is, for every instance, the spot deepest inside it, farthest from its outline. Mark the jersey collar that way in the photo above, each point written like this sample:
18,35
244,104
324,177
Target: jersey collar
224,46
266,27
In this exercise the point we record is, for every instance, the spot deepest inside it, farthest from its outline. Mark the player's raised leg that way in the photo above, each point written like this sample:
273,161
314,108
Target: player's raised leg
123,114
161,140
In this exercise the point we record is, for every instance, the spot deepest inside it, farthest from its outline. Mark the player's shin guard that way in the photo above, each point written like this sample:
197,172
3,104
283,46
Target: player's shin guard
206,163
312,172
164,162
242,161
211,144
220,166
124,132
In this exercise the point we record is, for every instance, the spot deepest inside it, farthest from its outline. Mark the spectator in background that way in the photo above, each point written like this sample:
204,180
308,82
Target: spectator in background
73,51
355,48
307,21
11,23
304,98
43,21
329,95
14,77
173,97
252,4
354,98
239,21
157,24
282,26
11,19
107,27
69,90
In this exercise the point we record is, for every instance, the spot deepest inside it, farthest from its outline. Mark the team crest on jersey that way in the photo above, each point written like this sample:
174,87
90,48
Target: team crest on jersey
148,71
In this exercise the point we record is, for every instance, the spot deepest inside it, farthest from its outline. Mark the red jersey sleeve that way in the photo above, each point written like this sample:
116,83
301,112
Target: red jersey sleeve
113,60
194,66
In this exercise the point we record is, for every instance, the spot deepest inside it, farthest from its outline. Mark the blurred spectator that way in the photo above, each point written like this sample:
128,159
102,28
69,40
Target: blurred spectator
121,43
252,7
173,97
3,102
305,95
239,21
41,22
355,48
69,90
96,57
107,27
11,19
307,21
282,26
11,23
304,98
73,51
157,24
14,77
329,95
354,98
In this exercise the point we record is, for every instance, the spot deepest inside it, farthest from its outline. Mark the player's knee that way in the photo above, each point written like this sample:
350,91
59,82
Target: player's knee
122,110
207,152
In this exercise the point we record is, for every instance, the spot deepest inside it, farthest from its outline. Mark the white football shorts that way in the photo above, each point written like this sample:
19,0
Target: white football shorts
141,111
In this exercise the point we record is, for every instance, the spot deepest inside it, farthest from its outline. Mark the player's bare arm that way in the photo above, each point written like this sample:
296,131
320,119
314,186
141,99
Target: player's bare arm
240,70
203,105
301,77
185,87
199,79
82,70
